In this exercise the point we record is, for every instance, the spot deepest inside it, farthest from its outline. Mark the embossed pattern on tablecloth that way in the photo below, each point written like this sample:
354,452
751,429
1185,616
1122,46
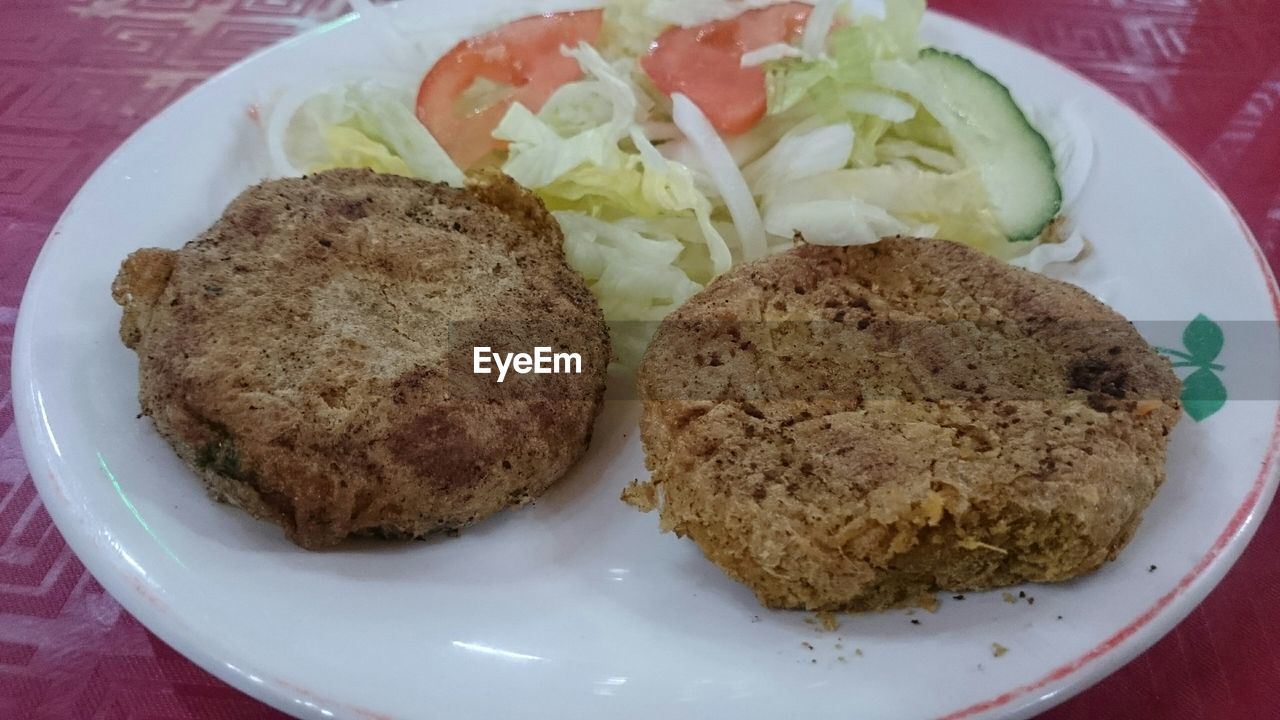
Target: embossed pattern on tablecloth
78,76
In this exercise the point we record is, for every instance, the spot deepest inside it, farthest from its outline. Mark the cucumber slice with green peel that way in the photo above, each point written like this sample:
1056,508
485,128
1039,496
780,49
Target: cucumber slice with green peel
991,134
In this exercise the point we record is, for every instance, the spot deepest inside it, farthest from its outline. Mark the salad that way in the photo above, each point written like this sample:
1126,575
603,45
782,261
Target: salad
673,140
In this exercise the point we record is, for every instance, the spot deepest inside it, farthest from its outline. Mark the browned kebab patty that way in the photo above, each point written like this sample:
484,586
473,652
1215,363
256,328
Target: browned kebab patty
855,428
308,355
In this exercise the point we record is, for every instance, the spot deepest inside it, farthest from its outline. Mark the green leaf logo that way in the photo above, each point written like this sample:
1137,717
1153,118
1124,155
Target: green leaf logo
1203,393
1203,339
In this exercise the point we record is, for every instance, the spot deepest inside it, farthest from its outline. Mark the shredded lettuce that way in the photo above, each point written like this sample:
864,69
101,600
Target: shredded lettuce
654,203
575,107
800,154
851,50
366,125
901,26
925,129
848,221
538,155
635,223
632,268
840,85
890,150
878,103
955,203
629,27
592,165
696,12
349,147
606,253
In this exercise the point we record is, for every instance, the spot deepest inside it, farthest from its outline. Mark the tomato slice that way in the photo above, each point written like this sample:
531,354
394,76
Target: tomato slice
705,62
524,54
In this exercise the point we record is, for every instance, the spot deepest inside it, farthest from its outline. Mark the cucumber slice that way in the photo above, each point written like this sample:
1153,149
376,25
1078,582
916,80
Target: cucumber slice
991,134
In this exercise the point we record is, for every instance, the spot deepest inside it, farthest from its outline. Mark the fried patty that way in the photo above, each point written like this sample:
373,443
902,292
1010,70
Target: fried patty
310,354
855,428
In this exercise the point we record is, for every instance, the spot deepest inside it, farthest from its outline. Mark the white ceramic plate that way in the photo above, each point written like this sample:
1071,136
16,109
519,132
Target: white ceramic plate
578,607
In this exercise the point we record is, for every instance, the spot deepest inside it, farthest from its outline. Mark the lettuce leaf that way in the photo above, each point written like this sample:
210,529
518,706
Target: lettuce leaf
347,147
636,224
901,27
628,28
851,52
799,154
789,81
537,155
697,12
952,205
840,86
846,221
366,125
631,267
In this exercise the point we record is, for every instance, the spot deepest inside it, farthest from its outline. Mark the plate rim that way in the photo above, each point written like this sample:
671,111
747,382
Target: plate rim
1063,682
1230,544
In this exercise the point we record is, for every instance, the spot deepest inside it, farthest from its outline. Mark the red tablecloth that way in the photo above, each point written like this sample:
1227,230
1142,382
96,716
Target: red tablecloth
78,76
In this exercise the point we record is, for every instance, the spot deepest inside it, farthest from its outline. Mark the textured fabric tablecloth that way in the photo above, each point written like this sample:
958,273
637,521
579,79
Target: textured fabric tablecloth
78,76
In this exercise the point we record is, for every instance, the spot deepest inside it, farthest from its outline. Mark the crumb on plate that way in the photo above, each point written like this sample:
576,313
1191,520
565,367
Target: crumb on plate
642,496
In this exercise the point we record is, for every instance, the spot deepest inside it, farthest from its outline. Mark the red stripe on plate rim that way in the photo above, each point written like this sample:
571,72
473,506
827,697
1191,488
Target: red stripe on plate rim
1238,520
